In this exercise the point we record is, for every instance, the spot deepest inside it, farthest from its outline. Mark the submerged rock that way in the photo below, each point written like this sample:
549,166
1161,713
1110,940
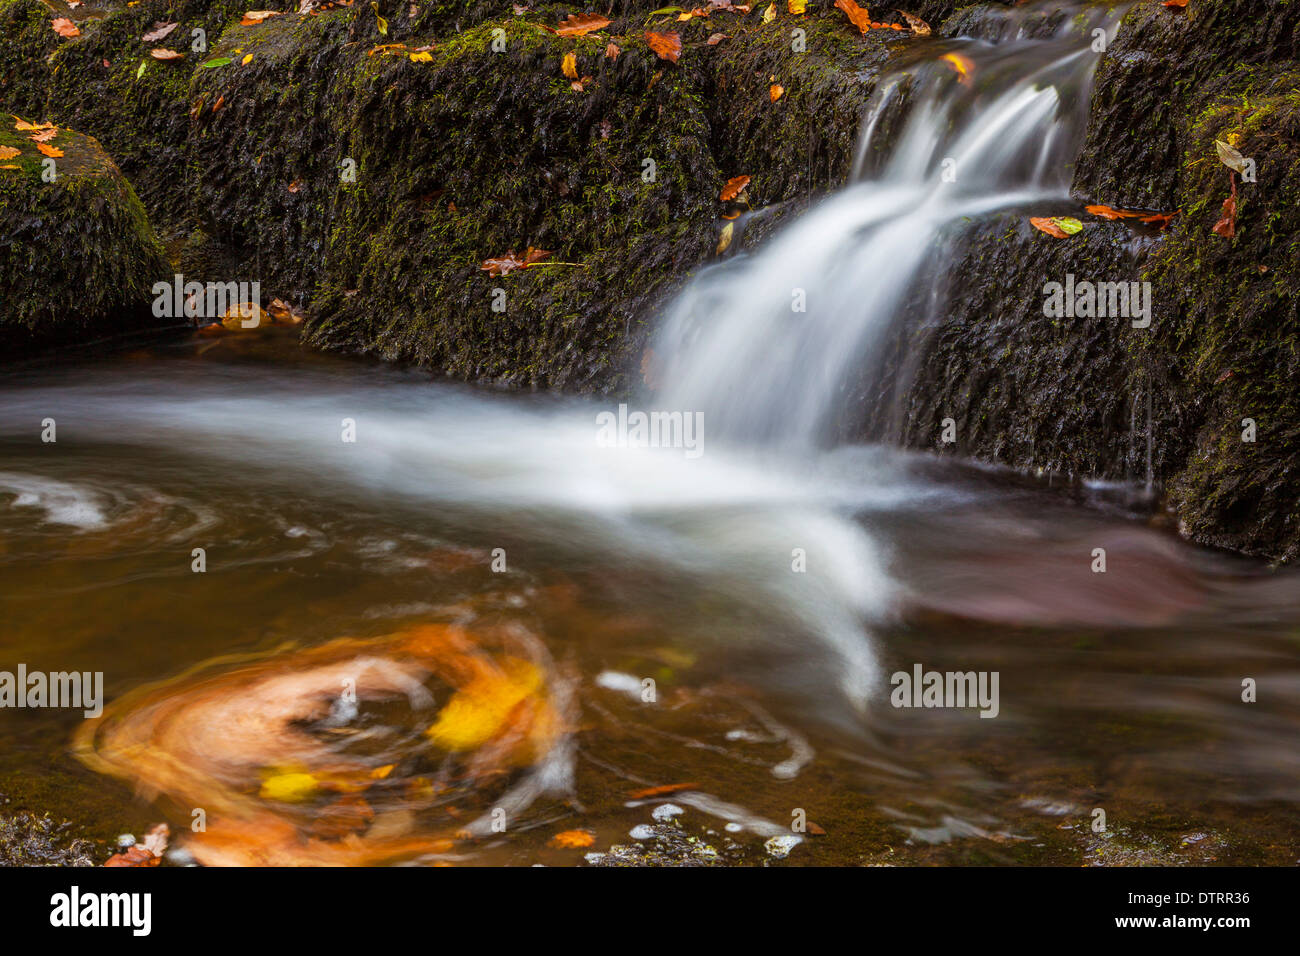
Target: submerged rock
77,257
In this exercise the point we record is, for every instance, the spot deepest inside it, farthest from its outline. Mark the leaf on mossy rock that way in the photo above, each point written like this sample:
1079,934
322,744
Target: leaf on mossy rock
1230,157
161,30
1062,227
734,187
1227,224
158,53
213,64
1175,3
22,126
857,15
569,66
8,152
918,26
580,24
667,46
504,265
775,91
48,150
253,17
65,27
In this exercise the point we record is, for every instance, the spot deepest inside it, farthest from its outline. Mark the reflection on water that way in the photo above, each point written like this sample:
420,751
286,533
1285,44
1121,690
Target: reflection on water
621,574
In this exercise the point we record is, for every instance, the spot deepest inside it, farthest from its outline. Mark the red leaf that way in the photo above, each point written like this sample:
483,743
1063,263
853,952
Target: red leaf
668,46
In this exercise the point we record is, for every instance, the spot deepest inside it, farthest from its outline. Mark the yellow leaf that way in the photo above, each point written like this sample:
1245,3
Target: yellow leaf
570,66
8,152
247,60
288,787
424,57
770,13
482,708
725,239
379,773
798,7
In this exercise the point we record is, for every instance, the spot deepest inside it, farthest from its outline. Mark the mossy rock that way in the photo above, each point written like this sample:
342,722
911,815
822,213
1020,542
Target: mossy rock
77,257
26,42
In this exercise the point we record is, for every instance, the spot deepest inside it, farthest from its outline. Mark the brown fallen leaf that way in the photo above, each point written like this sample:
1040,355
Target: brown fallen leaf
294,186
573,839
1227,224
775,91
815,830
221,101
504,265
65,27
49,150
716,38
667,46
44,136
612,51
134,856
919,27
160,31
580,24
160,54
735,185
8,152
253,17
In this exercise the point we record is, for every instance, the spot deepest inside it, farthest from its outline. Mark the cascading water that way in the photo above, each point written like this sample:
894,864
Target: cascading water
976,126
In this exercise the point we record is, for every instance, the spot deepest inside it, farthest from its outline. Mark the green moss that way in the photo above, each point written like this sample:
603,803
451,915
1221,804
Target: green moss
77,256
26,42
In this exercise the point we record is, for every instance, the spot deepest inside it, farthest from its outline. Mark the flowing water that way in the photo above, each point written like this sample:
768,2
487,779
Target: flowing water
476,625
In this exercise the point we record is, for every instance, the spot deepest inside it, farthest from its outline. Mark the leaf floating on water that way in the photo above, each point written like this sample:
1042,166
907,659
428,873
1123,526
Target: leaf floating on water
1062,227
735,185
65,27
483,708
580,24
289,787
660,791
573,839
161,30
667,46
963,65
1105,212
133,856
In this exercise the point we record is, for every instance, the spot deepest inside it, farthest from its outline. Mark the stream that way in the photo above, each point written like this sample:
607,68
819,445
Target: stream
353,614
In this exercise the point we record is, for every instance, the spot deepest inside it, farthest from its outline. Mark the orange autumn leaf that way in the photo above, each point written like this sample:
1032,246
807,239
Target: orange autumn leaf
134,856
253,17
160,54
919,27
1160,219
736,184
963,65
667,46
612,51
1108,213
569,66
65,27
573,839
8,152
1175,3
857,15
580,24
23,126
660,791
49,150
1227,224
775,91
1049,225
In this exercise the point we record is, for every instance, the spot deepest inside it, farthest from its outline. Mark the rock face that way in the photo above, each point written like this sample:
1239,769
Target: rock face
77,257
369,181
1220,363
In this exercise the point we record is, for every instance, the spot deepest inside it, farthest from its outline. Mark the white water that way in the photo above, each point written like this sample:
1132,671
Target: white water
734,347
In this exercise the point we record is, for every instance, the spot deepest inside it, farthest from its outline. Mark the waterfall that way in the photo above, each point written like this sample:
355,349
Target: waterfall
968,127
